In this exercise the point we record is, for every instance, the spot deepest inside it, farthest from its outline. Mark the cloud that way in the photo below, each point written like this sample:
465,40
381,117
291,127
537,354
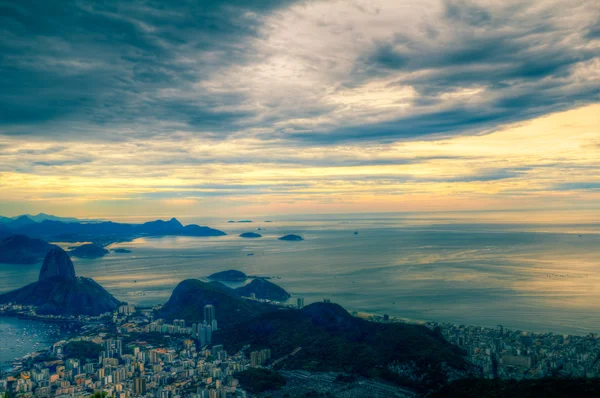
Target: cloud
284,70
462,102
120,68
586,186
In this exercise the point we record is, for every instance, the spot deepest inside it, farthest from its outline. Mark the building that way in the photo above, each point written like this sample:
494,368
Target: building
259,358
209,313
300,302
139,386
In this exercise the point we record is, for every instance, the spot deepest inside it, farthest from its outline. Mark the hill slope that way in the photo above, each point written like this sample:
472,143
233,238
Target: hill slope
64,296
333,340
263,289
191,295
20,249
59,291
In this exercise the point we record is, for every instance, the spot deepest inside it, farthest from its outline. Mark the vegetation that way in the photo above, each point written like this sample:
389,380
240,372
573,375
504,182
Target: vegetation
190,296
82,349
333,340
258,380
89,250
62,296
20,249
547,388
263,289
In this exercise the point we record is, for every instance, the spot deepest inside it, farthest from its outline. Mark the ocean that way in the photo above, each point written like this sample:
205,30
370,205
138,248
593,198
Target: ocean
19,337
464,268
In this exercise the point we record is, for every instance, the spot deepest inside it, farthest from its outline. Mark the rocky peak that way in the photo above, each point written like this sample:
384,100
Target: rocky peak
57,263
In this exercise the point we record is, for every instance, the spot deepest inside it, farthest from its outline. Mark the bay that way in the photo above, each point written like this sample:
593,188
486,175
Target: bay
478,269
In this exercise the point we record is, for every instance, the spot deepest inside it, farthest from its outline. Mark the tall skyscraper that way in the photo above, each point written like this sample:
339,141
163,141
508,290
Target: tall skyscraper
300,302
209,313
202,335
139,386
208,334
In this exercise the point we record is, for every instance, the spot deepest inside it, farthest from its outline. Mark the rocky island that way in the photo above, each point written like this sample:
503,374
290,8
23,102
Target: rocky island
250,235
231,275
291,237
121,251
59,291
89,250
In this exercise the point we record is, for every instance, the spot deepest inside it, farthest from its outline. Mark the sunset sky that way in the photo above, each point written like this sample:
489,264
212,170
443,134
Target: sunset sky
248,107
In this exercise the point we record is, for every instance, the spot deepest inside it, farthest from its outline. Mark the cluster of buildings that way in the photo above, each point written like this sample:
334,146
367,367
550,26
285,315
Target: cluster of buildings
509,354
137,356
199,331
259,358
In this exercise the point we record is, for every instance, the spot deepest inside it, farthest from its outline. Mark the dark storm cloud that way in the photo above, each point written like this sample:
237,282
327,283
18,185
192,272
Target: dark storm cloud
116,70
106,64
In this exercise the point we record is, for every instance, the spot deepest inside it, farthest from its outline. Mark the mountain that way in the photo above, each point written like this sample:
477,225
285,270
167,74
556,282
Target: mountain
57,263
228,276
43,217
191,295
103,233
60,292
160,227
20,249
250,235
59,296
5,231
89,250
333,340
19,222
291,237
263,289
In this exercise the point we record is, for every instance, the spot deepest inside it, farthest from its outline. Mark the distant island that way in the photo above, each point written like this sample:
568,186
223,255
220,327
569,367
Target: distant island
250,235
291,237
100,233
89,250
232,221
121,250
229,276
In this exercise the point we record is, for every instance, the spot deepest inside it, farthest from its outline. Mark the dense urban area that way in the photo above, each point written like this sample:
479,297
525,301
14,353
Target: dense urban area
130,353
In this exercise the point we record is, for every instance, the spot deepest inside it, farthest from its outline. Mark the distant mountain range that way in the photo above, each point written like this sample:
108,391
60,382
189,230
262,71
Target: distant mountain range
99,233
39,218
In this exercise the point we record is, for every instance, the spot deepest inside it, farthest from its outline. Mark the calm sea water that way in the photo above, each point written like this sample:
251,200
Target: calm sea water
19,337
470,269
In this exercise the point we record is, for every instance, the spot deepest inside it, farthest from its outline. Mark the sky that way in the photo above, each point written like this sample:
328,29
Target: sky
252,107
